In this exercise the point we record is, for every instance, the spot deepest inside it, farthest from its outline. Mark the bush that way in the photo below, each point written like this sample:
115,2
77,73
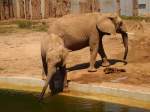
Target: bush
40,28
24,24
137,18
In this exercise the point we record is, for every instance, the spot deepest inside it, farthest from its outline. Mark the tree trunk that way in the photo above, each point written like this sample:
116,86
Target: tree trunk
118,9
135,7
16,8
11,11
1,10
6,9
36,9
47,9
89,6
59,8
21,8
27,9
52,8
62,7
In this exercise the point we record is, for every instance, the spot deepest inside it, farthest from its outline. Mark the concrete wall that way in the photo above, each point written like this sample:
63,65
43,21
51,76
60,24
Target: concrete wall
146,10
126,7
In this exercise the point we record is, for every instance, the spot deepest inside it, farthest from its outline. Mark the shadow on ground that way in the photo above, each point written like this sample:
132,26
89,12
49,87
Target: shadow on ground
97,65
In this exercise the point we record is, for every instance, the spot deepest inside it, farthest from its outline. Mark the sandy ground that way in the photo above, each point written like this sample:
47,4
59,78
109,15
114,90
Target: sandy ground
20,55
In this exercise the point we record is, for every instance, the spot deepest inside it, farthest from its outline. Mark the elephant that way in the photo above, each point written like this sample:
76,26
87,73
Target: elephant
82,30
53,54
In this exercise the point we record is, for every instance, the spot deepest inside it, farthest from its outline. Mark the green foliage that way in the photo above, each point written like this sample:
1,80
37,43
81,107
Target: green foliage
136,18
7,29
40,28
24,24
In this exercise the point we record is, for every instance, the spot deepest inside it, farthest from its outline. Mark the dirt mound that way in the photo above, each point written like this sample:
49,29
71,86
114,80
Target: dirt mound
140,50
134,26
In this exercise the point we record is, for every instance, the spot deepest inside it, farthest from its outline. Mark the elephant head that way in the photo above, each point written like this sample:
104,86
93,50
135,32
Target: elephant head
56,70
112,24
55,79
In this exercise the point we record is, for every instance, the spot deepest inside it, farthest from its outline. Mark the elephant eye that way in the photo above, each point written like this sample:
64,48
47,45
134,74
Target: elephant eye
57,68
120,23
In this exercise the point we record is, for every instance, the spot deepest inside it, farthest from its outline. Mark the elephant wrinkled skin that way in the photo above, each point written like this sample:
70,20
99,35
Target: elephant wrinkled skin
81,30
74,32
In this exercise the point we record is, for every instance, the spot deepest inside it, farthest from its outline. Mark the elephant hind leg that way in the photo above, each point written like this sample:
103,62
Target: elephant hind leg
93,51
101,52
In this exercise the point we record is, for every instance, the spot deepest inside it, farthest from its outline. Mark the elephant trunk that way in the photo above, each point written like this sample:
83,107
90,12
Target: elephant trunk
125,42
49,78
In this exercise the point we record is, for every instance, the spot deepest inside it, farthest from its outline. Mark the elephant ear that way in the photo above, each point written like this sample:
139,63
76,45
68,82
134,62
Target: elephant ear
123,27
106,25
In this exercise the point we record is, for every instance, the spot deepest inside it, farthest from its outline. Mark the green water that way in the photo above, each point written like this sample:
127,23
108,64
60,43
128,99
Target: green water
15,101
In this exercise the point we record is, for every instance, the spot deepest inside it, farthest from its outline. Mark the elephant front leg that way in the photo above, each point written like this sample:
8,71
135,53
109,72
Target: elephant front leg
101,52
64,75
65,81
43,75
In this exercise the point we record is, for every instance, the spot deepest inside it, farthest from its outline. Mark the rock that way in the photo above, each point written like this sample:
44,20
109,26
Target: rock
109,70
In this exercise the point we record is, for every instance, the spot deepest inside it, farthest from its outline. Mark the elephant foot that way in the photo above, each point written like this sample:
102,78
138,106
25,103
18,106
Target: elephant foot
125,62
43,77
66,89
66,85
92,70
105,63
40,98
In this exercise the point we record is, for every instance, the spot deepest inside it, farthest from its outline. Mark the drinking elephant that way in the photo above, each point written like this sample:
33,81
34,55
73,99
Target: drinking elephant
81,30
53,55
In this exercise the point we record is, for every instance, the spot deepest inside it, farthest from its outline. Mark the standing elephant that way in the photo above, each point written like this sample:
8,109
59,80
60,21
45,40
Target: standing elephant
53,55
79,31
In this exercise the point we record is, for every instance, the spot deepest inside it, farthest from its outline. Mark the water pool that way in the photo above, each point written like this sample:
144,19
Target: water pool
16,101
